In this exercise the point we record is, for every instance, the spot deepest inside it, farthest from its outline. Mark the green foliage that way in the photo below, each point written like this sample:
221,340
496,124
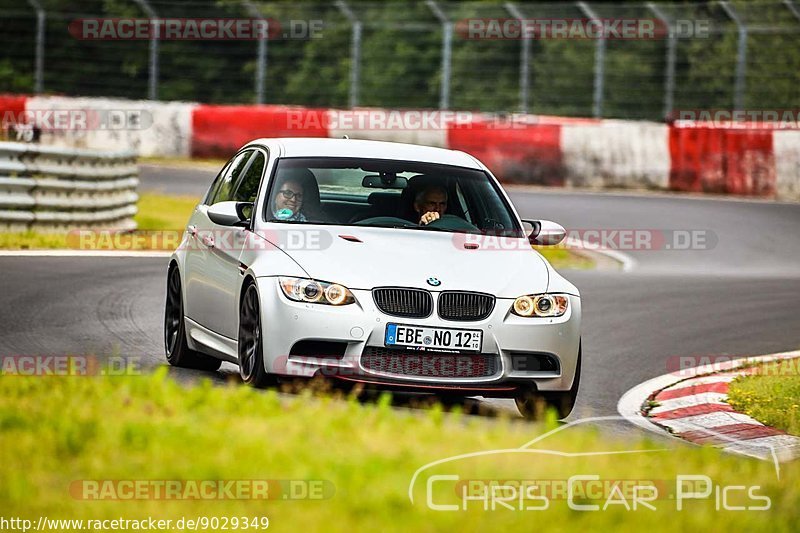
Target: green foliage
401,58
772,395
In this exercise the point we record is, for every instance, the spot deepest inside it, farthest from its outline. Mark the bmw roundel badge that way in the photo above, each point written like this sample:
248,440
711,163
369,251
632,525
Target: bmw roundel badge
434,282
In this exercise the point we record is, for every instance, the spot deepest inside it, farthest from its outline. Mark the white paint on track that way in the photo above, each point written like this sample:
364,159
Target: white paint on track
631,403
709,421
688,401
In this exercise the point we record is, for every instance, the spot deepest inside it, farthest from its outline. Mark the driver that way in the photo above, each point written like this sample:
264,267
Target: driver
430,204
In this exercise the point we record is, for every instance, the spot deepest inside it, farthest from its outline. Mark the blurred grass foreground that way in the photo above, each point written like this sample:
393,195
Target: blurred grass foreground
80,447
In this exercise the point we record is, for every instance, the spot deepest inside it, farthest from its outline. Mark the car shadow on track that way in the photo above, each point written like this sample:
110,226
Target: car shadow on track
227,375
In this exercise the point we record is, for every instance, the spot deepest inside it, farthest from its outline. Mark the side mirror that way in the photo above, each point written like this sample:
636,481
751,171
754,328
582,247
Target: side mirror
544,232
231,213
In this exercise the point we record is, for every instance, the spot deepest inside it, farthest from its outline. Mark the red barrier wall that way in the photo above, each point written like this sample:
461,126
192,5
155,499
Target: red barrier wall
722,160
514,153
218,131
12,102
11,108
703,158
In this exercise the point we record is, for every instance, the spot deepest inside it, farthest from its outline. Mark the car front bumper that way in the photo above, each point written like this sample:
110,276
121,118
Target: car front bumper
360,329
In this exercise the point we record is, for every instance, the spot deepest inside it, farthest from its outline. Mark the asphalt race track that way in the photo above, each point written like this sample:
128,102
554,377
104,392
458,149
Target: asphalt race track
737,298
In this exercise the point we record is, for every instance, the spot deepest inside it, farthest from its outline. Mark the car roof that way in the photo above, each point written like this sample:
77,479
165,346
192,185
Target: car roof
321,147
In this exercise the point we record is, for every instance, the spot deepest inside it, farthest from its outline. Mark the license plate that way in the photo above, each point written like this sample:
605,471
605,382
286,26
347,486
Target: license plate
462,340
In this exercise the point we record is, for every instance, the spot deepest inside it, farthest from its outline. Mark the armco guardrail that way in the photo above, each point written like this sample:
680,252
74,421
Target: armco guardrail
48,188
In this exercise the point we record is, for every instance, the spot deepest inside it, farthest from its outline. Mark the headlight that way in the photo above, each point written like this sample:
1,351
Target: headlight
540,305
313,291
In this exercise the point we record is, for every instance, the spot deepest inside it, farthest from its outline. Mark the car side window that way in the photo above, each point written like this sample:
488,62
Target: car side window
225,189
215,184
247,188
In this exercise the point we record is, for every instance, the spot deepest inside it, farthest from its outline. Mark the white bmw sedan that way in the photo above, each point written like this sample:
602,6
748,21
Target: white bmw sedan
393,265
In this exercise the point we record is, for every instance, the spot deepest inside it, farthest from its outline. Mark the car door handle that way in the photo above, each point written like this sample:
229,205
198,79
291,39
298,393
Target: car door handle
192,230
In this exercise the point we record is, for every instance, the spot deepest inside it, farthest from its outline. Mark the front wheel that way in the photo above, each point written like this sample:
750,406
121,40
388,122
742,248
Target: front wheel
251,353
177,349
532,404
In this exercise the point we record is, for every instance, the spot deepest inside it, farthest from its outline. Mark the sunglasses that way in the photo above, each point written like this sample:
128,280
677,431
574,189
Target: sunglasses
291,194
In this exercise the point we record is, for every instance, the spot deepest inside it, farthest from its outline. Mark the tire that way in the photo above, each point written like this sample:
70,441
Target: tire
532,404
177,349
251,353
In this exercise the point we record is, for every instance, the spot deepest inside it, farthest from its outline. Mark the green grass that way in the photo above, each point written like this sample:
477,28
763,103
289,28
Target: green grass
161,211
60,430
562,258
771,396
157,212
212,164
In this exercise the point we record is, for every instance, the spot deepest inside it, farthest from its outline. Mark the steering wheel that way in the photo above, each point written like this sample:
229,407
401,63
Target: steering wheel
452,222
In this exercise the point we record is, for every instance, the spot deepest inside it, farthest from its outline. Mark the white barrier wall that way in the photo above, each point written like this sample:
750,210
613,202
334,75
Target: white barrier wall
616,153
151,129
556,151
786,146
428,128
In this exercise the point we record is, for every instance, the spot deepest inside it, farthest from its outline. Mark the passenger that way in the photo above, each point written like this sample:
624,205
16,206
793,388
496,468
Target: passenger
287,203
430,204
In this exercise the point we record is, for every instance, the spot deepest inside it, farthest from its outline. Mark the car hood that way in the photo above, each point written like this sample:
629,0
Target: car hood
364,258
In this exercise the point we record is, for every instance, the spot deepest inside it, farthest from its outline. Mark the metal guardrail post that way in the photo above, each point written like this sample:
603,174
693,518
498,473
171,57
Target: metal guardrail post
599,64
741,56
669,69
447,53
793,8
38,85
355,51
152,89
261,54
524,58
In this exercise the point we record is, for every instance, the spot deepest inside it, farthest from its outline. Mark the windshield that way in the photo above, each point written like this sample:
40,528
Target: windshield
385,193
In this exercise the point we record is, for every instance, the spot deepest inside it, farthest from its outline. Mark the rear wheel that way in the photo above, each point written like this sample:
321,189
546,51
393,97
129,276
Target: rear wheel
251,356
533,404
177,349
